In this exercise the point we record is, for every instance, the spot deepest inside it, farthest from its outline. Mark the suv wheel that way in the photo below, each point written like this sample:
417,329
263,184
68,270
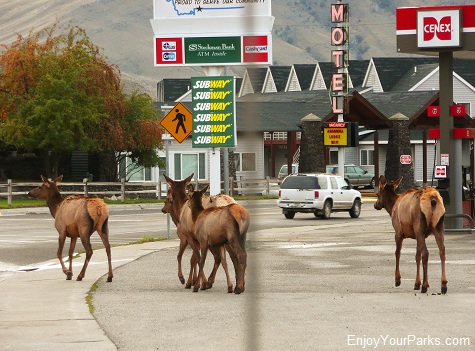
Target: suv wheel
327,210
356,209
289,215
373,183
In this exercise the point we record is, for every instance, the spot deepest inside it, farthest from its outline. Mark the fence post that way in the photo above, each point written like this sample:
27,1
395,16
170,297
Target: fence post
268,185
122,190
10,191
159,189
86,192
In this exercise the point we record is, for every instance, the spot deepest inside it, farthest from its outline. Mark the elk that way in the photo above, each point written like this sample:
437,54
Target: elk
176,204
217,226
75,216
415,214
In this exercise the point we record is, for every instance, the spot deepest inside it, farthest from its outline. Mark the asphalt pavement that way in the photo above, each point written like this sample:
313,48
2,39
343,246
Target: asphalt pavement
306,289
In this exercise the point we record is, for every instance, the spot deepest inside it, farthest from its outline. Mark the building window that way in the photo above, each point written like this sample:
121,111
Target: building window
132,172
186,164
245,161
366,157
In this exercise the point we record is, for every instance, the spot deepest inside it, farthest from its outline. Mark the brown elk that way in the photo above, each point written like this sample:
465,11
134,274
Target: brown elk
75,216
217,226
415,214
176,205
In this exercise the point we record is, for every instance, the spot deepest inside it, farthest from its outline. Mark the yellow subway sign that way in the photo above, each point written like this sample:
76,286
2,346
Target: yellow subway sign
214,113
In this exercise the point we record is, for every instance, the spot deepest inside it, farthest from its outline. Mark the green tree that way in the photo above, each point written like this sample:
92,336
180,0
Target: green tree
58,93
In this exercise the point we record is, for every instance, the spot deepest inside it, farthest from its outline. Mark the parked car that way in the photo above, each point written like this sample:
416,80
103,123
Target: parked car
320,194
355,175
284,170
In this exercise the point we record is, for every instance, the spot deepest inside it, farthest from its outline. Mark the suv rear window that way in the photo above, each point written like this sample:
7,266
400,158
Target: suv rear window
300,182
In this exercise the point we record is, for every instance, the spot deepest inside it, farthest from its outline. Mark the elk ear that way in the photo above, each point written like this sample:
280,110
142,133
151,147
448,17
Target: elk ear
205,188
190,188
397,182
188,179
44,179
382,182
58,180
168,180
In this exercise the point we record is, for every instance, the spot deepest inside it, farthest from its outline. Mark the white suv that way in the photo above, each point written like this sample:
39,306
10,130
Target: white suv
320,194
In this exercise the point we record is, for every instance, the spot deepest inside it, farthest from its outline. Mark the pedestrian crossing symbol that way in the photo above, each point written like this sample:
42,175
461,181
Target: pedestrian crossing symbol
178,122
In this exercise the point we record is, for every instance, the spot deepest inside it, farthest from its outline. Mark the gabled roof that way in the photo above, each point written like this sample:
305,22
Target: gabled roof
357,71
414,77
391,69
407,103
279,111
253,80
305,74
280,76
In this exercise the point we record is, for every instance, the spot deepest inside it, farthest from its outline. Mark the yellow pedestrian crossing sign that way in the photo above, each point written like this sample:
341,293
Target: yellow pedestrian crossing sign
178,122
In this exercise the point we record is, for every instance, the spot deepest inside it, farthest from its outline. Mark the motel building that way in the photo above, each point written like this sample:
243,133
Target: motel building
271,103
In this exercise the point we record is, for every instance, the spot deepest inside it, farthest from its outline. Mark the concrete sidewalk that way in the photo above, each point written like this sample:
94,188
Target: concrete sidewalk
41,310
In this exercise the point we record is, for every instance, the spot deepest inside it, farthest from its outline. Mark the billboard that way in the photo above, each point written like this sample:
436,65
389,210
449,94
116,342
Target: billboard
212,51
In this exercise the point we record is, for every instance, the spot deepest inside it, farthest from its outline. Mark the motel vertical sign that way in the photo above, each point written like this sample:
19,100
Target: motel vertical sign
214,112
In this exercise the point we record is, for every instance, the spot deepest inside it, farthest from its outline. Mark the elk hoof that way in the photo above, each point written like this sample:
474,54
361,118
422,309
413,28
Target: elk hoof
237,291
397,282
69,275
182,280
188,286
424,289
109,279
195,289
230,289
208,286
443,290
79,278
417,286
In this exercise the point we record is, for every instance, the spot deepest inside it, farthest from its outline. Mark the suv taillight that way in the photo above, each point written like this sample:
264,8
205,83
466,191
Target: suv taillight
316,194
280,192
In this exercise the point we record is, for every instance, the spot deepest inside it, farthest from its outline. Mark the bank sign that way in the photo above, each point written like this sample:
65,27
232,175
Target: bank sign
209,51
214,112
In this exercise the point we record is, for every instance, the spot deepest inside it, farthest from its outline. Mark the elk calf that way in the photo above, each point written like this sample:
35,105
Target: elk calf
75,216
415,214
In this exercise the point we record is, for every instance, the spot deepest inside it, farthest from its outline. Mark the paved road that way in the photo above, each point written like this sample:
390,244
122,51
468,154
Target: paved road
311,284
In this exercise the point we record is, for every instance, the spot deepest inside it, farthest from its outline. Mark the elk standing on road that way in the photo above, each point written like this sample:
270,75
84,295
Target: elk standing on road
176,203
75,216
415,214
218,226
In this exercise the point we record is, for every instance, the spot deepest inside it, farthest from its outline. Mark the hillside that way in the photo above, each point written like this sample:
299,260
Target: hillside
122,28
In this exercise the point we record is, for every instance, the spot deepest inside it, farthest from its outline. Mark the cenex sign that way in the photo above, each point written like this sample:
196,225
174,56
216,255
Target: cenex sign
214,115
436,29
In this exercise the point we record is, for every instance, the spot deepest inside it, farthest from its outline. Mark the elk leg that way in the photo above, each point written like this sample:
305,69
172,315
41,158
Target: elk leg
179,257
240,266
420,245
425,259
204,252
105,240
216,251
397,275
193,271
61,240
72,245
439,237
86,242
225,267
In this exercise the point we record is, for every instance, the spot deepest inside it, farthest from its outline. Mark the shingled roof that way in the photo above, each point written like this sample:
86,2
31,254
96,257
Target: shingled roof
392,69
305,73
